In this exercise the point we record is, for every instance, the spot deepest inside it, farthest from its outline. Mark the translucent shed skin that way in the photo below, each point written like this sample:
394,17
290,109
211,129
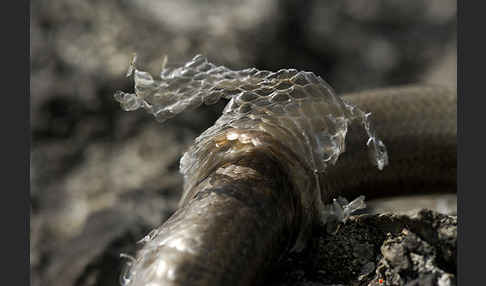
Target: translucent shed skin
255,182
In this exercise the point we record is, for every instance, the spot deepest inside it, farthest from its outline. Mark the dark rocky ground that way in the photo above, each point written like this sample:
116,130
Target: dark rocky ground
417,248
102,178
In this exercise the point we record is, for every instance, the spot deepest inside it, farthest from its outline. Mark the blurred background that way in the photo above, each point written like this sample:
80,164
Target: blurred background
101,178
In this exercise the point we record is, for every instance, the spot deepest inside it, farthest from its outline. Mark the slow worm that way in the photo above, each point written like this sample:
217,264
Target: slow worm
256,181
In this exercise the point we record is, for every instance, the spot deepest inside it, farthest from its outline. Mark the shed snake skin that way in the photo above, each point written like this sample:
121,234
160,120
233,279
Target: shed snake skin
256,180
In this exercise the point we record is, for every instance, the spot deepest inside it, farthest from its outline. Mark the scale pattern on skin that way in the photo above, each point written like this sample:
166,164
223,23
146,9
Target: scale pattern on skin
297,109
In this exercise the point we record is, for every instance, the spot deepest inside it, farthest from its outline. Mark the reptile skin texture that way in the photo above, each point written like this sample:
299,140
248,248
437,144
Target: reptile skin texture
284,146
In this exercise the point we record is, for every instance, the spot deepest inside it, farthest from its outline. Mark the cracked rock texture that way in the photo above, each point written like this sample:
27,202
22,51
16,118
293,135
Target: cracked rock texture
418,248
101,178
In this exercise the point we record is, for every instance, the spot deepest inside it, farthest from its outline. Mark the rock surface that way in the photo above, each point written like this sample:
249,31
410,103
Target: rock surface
418,248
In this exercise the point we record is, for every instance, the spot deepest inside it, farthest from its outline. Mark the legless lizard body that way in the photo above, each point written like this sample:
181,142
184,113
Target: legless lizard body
255,182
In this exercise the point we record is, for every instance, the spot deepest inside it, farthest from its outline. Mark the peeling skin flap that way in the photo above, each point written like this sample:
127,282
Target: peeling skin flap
297,108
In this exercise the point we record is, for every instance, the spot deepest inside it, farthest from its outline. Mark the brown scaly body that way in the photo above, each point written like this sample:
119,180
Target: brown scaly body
418,126
241,211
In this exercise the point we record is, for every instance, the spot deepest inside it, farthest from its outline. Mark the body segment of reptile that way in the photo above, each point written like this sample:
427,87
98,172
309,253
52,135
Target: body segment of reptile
255,182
